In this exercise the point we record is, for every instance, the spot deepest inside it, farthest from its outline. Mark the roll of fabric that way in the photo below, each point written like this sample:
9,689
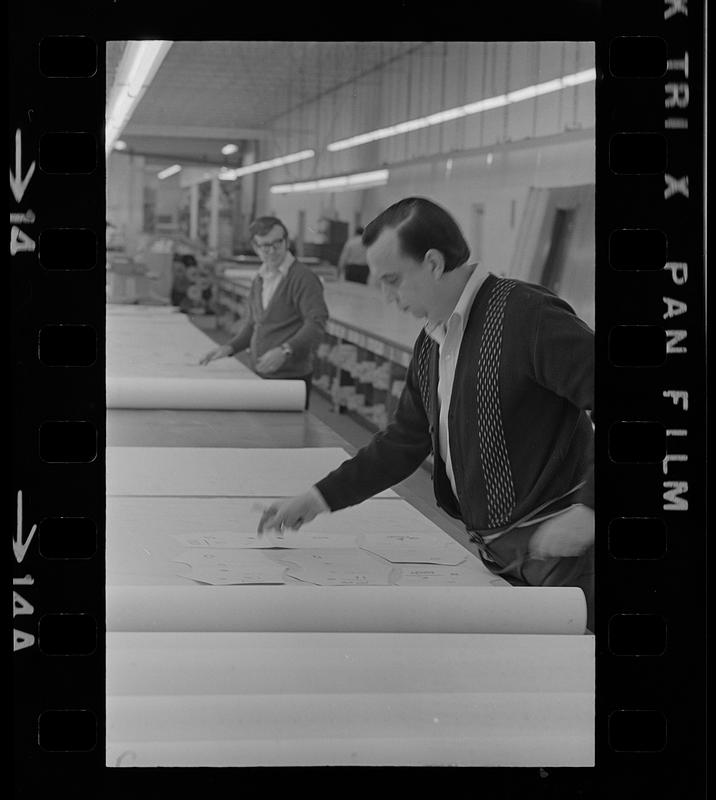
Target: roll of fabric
205,393
356,609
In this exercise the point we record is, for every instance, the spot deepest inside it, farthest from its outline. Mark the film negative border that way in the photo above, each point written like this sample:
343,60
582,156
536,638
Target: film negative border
650,411
651,382
57,395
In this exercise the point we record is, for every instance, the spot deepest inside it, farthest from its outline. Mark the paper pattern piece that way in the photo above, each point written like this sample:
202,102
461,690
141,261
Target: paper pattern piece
145,534
208,556
437,575
224,567
337,568
224,471
223,540
232,575
201,391
414,549
290,540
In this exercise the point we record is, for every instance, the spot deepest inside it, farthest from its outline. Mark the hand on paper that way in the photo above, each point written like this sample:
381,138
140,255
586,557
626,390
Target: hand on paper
293,512
217,352
564,535
270,361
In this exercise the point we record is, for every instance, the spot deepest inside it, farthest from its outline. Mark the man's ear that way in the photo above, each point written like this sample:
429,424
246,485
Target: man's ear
435,261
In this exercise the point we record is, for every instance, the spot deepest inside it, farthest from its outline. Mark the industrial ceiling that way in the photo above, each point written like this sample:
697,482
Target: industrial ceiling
208,94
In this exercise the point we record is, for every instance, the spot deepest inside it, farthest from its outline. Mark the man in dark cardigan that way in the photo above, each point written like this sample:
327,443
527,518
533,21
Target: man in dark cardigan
286,313
499,389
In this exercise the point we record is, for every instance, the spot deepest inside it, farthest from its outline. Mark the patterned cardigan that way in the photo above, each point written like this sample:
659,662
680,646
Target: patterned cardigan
521,440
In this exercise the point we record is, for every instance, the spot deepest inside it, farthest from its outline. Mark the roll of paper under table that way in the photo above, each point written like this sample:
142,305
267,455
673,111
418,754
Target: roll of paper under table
206,394
424,609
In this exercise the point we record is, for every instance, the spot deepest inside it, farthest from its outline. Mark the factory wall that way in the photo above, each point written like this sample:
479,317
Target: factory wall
125,197
430,78
499,187
488,195
481,167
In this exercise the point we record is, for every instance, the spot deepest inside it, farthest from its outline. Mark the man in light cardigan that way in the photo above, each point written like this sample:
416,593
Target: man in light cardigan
286,312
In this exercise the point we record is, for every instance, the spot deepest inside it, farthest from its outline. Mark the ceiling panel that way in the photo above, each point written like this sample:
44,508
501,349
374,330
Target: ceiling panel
247,84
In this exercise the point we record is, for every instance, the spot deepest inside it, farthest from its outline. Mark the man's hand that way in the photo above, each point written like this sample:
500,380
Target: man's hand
270,361
567,534
218,352
293,512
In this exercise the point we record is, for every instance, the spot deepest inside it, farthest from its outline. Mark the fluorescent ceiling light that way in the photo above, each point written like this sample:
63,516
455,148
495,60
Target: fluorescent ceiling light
487,104
229,149
259,166
139,64
359,180
374,178
165,173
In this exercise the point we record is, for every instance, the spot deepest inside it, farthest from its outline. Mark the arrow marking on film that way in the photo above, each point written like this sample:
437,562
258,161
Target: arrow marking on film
18,545
18,184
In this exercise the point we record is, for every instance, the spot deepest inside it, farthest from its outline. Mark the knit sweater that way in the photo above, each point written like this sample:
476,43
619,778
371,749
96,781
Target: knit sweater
521,440
296,315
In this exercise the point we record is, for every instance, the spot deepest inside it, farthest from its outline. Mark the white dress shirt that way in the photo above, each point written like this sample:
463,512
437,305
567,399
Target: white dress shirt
449,336
272,279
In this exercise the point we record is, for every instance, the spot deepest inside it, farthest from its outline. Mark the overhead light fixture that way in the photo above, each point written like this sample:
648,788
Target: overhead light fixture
340,183
259,166
527,93
139,64
169,171
229,149
120,145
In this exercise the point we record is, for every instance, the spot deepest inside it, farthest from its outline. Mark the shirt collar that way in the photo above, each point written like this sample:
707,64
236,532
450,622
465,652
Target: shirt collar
288,259
438,330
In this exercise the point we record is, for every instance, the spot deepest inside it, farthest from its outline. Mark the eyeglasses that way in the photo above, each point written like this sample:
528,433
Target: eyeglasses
266,246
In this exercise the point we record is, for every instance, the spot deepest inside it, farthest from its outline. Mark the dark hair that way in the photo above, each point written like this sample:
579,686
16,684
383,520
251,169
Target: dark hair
262,226
421,225
359,230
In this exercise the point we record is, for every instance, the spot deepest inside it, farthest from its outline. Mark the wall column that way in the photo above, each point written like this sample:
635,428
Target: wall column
194,211
214,215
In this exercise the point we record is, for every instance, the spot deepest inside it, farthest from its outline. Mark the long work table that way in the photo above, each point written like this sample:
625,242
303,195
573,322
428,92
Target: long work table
368,637
354,310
